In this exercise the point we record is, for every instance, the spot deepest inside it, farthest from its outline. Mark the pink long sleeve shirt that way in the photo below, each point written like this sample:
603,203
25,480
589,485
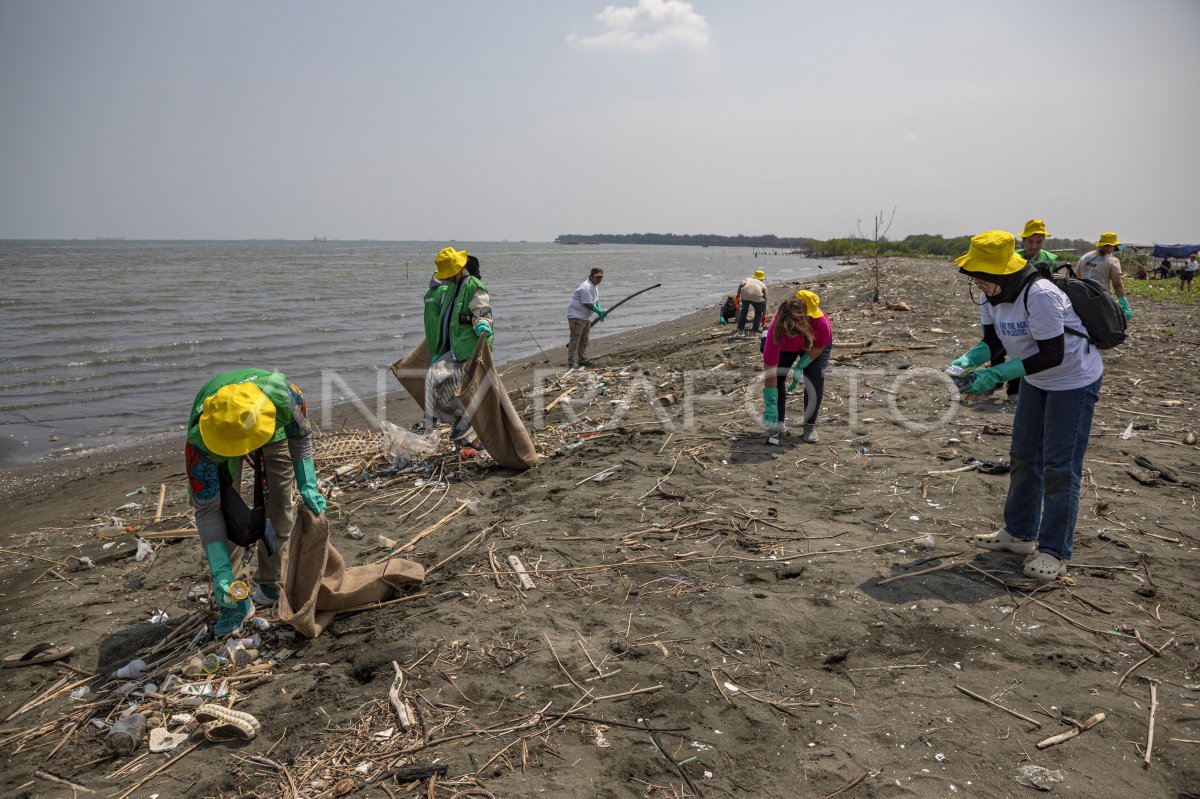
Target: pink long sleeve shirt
822,336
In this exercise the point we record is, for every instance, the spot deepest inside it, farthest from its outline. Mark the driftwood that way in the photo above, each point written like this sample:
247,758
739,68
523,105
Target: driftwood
1069,734
612,308
519,569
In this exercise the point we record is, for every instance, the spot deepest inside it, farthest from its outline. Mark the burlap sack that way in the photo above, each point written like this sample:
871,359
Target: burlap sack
410,371
492,413
317,584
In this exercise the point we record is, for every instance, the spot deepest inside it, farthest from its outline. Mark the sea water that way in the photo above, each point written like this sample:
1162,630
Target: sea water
107,342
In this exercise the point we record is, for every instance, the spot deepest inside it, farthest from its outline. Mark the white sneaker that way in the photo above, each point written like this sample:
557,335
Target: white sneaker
1005,542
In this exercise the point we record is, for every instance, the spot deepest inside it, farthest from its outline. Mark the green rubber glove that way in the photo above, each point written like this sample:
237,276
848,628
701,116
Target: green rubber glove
222,572
988,379
771,411
977,355
484,327
603,314
721,321
306,481
798,371
1125,307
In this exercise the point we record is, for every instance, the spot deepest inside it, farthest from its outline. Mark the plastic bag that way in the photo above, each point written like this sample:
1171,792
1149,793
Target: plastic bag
397,441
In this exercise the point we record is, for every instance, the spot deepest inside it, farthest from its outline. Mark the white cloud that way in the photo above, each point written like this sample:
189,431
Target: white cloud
649,26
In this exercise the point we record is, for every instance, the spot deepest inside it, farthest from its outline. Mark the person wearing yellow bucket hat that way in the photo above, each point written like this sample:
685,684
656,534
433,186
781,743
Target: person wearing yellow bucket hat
261,415
799,338
1028,318
458,313
1103,267
1033,238
752,293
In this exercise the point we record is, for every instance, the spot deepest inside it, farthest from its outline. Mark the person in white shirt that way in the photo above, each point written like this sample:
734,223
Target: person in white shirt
1103,267
584,302
1188,272
753,294
1032,320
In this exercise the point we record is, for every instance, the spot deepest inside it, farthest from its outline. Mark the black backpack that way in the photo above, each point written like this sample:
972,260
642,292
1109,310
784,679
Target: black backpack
1102,316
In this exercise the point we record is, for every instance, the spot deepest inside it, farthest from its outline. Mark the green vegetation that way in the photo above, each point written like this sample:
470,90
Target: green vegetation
1160,291
698,239
910,246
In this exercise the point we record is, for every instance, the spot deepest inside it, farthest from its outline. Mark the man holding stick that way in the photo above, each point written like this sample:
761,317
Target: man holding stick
584,302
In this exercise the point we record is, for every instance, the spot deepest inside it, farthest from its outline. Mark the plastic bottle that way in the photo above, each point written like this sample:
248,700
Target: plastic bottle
111,530
354,532
126,734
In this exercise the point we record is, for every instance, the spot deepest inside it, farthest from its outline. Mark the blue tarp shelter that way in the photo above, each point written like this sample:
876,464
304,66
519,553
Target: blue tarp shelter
1174,250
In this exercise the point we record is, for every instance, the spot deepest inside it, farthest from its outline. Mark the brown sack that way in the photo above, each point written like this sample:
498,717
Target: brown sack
410,371
492,413
317,583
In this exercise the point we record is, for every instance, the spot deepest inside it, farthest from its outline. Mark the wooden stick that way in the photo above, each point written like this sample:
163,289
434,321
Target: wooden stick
402,712
998,706
1071,733
930,570
560,398
36,557
374,605
1153,710
162,497
182,532
850,785
612,308
41,775
159,770
675,764
462,507
518,568
1140,663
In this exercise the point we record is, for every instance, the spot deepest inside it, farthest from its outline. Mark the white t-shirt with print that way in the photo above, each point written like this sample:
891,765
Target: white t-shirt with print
1049,312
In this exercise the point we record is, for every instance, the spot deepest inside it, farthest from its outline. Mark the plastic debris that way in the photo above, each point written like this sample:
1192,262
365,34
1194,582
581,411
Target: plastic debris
354,532
131,670
1038,777
144,550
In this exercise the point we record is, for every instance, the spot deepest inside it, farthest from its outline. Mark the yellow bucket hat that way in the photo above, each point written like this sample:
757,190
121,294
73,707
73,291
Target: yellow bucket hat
449,262
811,302
759,274
1108,240
236,420
1033,227
992,253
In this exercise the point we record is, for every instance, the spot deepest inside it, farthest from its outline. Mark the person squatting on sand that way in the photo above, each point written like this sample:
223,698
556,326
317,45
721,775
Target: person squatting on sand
752,293
729,310
584,302
799,335
248,412
1061,377
458,312
1103,267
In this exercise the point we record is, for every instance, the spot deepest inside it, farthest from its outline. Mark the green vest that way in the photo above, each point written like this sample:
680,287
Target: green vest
273,384
463,337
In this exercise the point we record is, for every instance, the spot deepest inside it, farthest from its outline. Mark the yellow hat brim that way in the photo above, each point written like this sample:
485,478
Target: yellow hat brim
449,267
1015,264
238,419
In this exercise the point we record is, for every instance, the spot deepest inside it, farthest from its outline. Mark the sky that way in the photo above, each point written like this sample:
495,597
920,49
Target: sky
480,120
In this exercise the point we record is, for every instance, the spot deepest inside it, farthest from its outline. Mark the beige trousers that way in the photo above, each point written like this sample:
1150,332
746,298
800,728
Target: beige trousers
577,346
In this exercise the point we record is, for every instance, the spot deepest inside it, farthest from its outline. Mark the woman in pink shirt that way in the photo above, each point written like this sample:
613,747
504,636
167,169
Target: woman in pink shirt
799,335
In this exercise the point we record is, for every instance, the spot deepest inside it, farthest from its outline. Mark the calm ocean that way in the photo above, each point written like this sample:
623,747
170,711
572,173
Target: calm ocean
106,342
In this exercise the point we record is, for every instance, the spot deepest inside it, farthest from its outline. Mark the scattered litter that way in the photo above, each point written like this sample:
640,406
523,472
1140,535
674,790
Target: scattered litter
1038,777
163,741
144,550
1128,434
159,617
355,532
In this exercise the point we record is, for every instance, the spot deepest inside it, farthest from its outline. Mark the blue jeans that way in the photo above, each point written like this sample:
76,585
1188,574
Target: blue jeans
760,309
1050,437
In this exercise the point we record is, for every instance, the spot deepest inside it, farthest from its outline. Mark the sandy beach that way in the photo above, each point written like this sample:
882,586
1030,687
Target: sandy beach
711,616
